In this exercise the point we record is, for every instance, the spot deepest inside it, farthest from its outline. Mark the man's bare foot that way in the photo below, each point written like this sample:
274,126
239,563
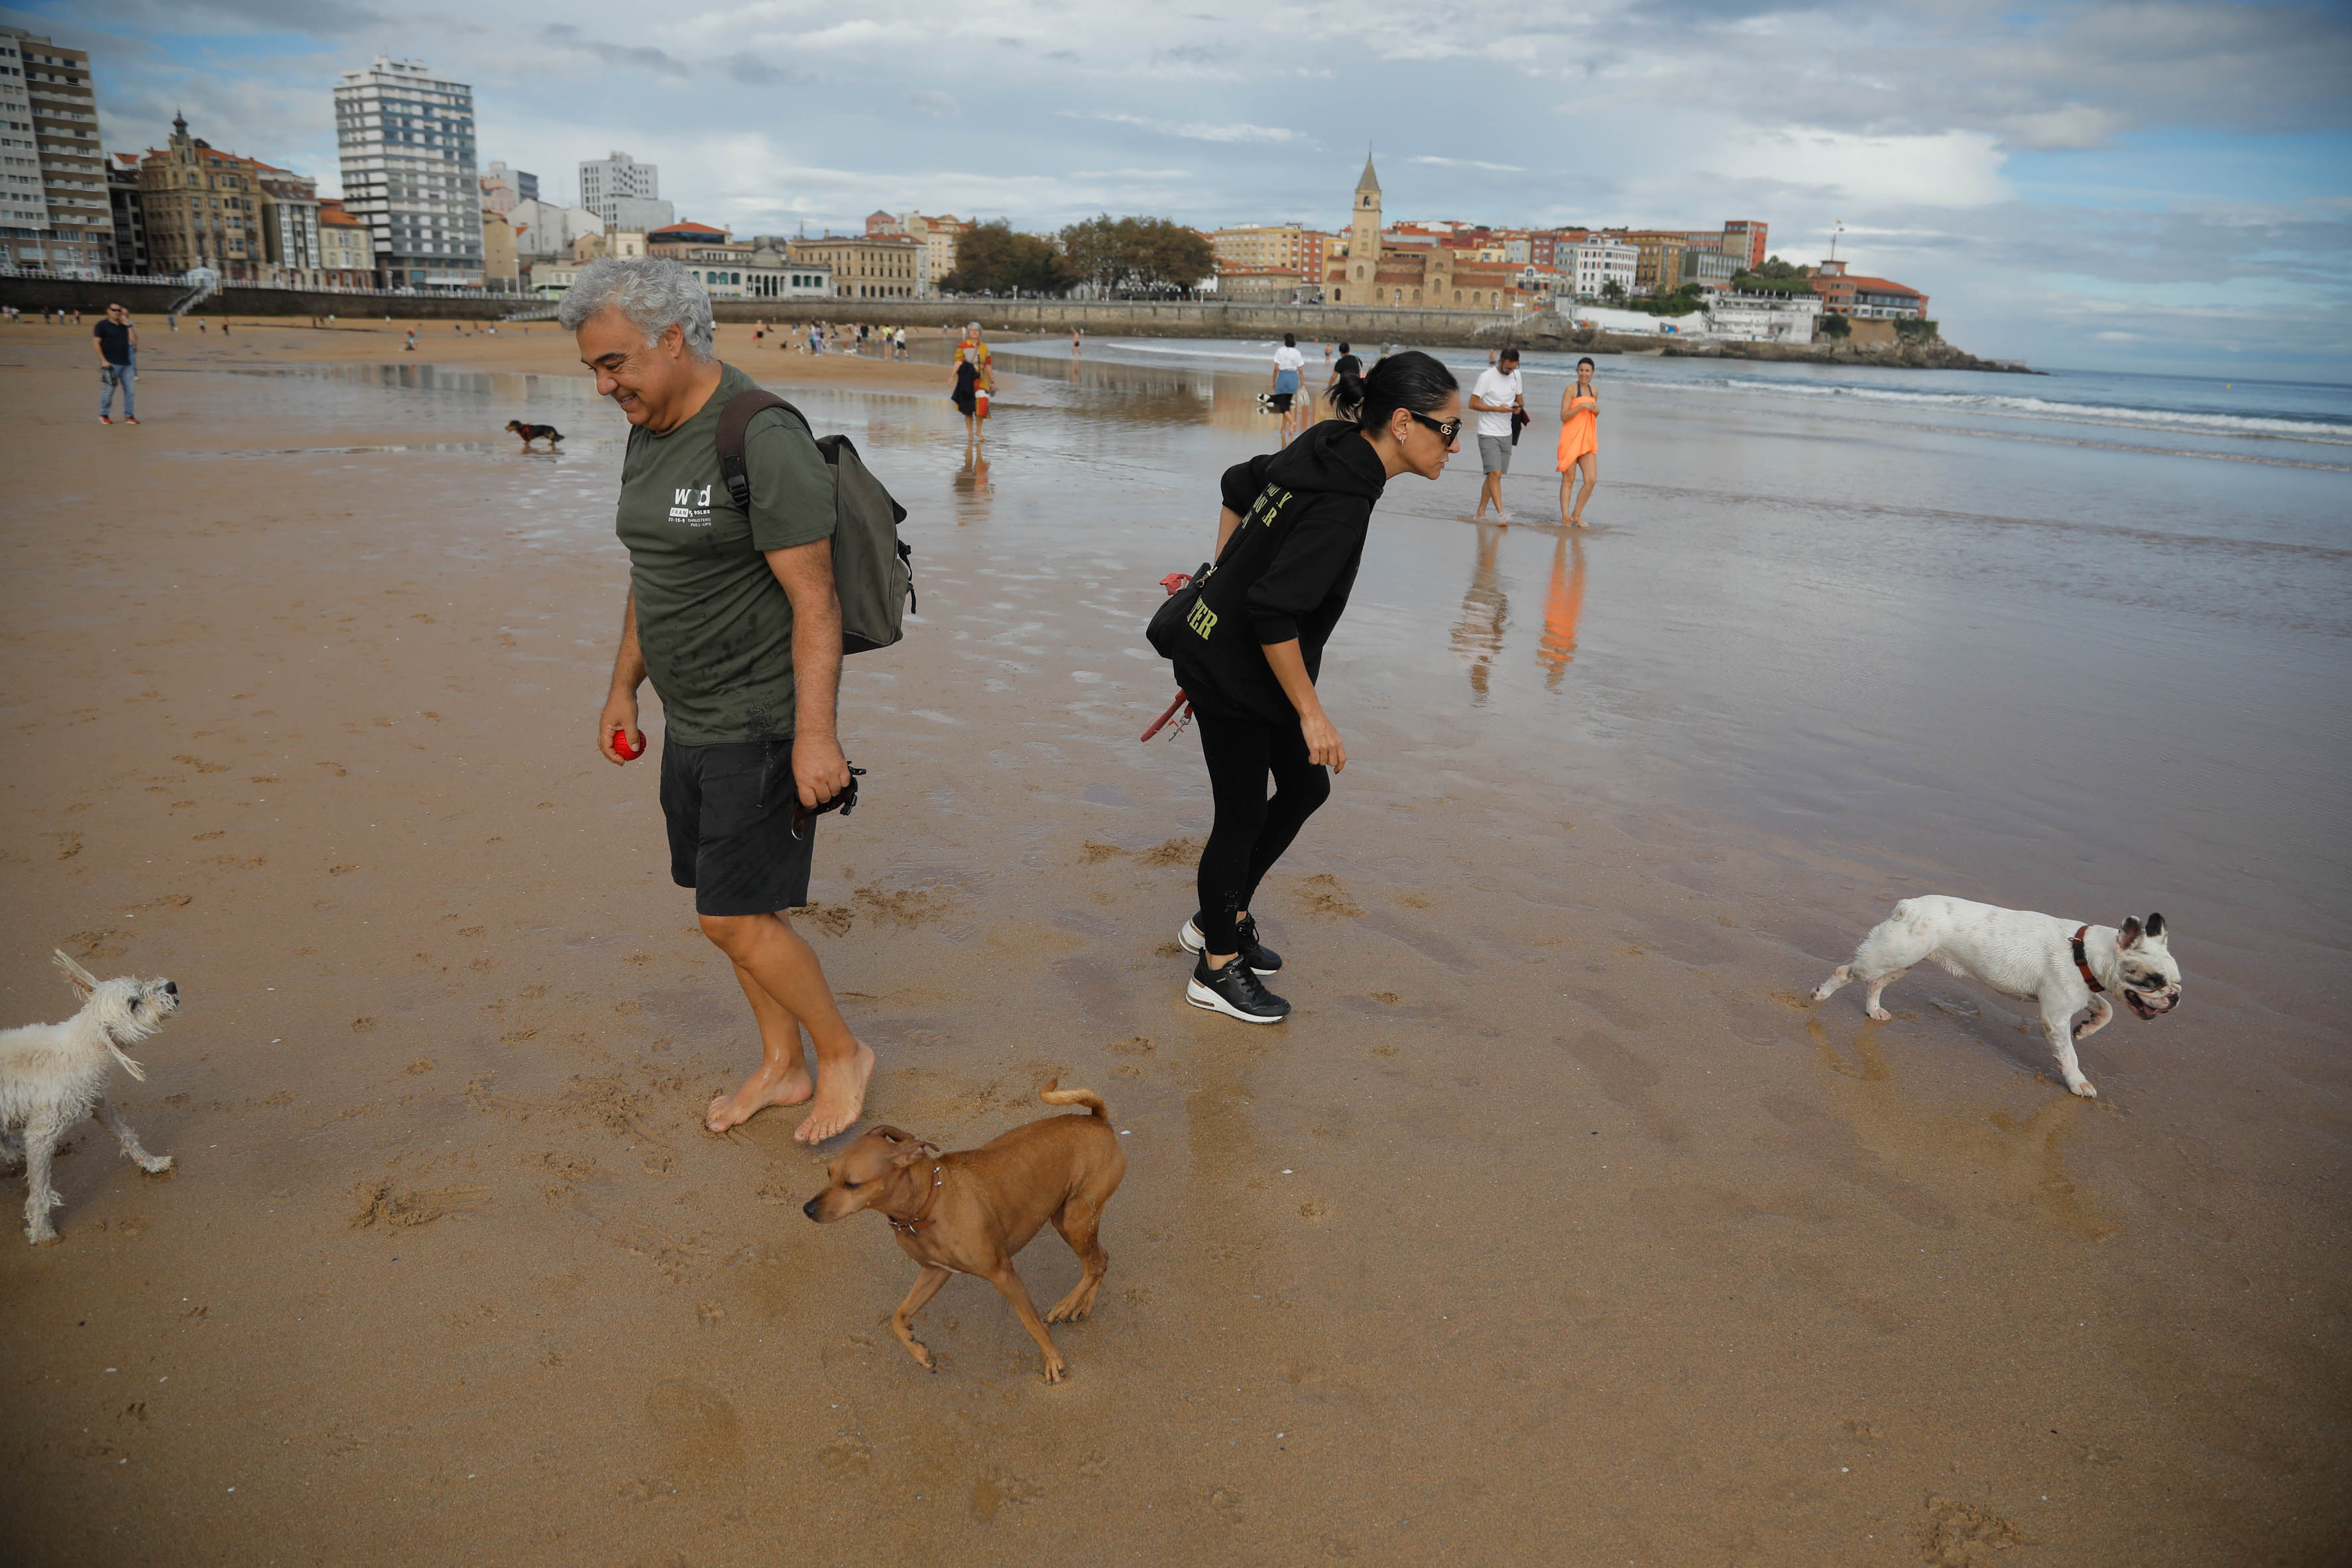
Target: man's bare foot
759,1091
840,1099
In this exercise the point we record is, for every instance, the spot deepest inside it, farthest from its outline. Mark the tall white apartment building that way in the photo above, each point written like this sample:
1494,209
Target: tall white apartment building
24,212
63,220
1597,263
626,193
408,145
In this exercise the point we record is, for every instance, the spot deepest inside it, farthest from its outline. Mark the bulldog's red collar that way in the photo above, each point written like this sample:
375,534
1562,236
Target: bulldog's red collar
2085,964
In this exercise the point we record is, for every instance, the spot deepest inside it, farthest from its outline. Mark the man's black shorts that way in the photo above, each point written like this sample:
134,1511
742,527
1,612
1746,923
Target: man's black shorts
729,810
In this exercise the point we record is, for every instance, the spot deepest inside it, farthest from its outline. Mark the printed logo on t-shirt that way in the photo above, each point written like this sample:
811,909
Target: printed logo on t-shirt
691,506
1269,504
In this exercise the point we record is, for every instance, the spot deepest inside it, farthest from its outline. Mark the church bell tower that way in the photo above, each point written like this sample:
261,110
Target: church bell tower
1364,236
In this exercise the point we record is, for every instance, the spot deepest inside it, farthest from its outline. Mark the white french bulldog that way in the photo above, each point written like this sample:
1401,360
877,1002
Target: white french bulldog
2065,965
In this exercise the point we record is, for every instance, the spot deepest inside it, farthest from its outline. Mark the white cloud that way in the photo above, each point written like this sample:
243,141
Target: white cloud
938,105
1955,169
1469,164
1196,131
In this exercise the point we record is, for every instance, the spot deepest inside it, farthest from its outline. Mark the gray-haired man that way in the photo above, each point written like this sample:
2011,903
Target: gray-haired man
732,613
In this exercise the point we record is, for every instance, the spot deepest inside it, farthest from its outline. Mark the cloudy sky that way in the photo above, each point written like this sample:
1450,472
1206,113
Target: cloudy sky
2154,185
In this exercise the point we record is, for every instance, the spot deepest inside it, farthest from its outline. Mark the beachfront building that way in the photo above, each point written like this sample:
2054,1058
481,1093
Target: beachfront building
545,232
503,187
1271,261
291,253
867,266
1710,268
1852,295
626,193
1595,263
24,206
935,238
406,140
59,217
1658,259
129,213
1409,267
1764,318
346,253
501,266
248,221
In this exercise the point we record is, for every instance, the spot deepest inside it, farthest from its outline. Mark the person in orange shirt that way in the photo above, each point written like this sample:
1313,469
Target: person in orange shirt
1580,443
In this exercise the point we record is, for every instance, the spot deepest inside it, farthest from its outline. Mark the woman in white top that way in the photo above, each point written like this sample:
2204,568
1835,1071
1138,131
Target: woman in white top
1289,364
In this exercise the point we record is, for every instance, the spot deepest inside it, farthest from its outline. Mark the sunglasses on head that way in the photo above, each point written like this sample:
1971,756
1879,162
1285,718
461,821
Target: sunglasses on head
1447,429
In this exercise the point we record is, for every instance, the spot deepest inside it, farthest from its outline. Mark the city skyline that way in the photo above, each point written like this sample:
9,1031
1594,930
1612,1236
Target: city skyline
2166,195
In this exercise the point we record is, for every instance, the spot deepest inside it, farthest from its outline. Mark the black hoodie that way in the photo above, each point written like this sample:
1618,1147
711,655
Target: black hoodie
1284,573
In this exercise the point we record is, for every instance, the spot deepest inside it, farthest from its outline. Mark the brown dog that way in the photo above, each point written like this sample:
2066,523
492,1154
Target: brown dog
969,1212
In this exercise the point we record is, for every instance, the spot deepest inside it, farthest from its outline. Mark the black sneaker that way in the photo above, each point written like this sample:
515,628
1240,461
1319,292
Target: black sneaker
1236,991
1264,959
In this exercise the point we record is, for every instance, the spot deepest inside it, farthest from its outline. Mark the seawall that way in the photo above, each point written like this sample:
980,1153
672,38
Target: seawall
1365,327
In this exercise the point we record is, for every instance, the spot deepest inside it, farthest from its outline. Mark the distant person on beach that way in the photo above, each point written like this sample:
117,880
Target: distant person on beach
1496,396
1345,389
1290,537
117,342
1289,368
1580,443
732,613
900,338
975,380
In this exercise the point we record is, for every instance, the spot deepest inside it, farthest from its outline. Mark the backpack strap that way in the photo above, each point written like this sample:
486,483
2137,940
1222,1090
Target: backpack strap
732,421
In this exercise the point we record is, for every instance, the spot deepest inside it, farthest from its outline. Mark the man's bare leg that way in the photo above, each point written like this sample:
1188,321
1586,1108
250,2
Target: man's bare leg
785,967
783,1075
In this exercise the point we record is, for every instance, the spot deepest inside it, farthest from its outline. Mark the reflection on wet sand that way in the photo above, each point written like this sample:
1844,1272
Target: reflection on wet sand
1564,605
2004,1163
973,493
1479,635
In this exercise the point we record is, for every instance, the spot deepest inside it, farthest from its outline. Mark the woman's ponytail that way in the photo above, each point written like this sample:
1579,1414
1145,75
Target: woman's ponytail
1411,381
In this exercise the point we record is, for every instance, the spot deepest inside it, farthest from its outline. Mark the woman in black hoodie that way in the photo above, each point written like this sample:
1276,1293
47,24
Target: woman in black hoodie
1289,539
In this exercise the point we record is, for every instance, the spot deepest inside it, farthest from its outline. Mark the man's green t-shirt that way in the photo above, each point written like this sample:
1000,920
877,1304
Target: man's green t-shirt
713,622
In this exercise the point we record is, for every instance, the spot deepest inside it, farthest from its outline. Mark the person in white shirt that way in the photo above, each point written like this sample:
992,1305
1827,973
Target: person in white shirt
1496,398
1290,365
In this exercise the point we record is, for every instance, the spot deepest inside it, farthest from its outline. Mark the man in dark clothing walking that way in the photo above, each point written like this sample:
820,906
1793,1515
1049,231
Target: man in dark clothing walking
117,342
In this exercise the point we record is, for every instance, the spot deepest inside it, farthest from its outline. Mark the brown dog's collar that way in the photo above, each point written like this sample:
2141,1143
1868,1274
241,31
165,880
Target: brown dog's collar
2085,964
922,1215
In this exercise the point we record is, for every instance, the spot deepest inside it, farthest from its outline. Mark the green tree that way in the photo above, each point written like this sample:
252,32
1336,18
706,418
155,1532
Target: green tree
995,258
1137,254
1612,292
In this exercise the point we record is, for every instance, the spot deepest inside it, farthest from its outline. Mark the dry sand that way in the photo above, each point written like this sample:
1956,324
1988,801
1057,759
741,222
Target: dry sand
1553,1228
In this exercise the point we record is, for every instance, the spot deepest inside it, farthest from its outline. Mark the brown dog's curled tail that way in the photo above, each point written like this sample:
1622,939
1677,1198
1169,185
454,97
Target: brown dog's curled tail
1053,1095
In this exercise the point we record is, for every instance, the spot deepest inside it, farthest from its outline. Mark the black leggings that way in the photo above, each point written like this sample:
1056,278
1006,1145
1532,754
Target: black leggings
1250,831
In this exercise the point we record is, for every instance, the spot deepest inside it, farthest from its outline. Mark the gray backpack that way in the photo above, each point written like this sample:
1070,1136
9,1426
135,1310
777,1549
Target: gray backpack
872,569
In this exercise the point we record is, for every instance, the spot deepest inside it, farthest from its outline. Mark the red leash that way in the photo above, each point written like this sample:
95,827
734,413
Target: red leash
1171,583
1162,722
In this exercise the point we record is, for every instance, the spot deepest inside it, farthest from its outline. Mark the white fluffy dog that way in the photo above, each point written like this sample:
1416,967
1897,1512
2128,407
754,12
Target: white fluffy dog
2065,965
53,1074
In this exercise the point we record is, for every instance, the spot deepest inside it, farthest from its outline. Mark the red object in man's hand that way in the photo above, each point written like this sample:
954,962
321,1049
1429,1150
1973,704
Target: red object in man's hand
621,749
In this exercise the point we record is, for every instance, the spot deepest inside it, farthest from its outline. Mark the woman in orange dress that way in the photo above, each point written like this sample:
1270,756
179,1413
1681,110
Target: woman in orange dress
1580,443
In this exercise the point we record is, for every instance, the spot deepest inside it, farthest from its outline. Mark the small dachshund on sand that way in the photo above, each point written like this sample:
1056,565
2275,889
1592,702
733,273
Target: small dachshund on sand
530,433
969,1212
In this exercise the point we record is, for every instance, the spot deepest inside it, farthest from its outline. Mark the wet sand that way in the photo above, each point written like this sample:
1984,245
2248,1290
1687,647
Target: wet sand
1553,1224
